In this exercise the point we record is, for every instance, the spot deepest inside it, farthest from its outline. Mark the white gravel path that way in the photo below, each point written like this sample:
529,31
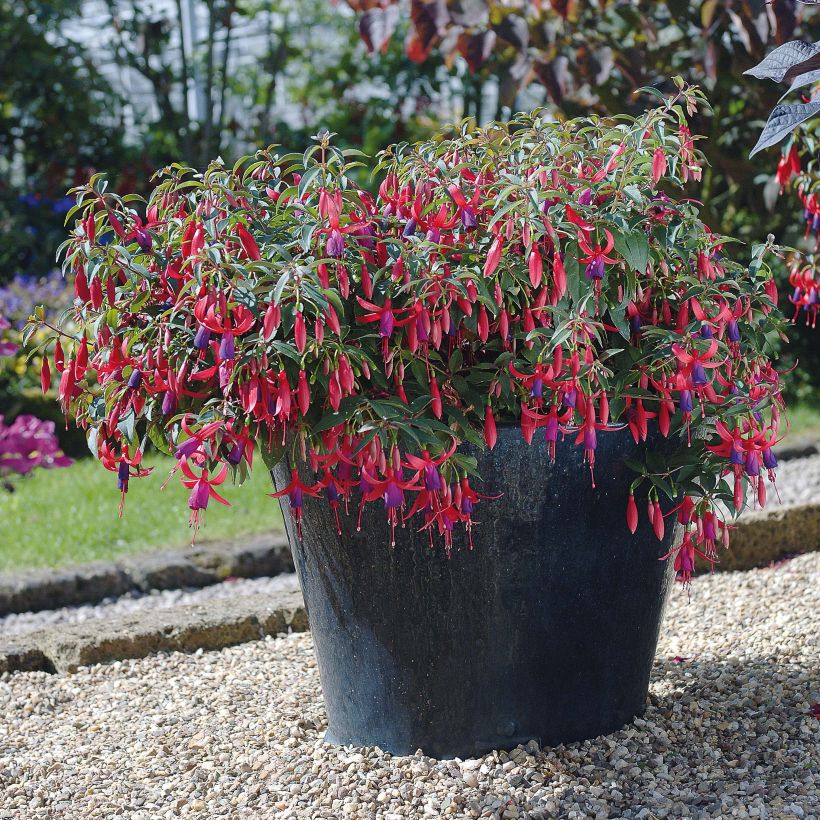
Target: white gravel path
237,733
798,481
20,623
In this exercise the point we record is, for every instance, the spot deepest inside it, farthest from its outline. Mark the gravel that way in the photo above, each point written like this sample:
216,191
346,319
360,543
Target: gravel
20,623
798,482
237,733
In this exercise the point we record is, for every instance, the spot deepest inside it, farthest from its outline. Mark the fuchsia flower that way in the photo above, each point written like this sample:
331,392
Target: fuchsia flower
124,465
202,491
658,165
391,488
684,559
805,295
385,315
536,382
296,490
330,208
596,256
745,455
788,167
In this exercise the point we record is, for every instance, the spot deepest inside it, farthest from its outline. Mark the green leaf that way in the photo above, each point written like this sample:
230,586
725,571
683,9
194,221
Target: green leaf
91,440
127,424
618,316
634,248
307,178
158,439
272,452
284,278
634,194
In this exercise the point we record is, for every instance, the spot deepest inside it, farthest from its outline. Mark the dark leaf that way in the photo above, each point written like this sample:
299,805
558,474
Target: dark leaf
513,29
776,65
634,248
512,79
553,76
741,30
157,436
414,48
783,120
595,65
707,12
476,48
429,17
271,451
565,8
126,425
785,20
757,21
472,14
809,78
376,27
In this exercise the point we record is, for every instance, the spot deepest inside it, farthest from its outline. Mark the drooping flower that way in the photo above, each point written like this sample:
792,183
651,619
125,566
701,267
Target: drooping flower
296,490
202,490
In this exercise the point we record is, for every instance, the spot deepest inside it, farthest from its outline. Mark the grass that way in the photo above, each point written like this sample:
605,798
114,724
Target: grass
803,418
65,516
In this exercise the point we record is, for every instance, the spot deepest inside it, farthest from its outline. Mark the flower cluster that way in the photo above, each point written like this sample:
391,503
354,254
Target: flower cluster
539,273
45,296
20,297
7,346
27,442
804,268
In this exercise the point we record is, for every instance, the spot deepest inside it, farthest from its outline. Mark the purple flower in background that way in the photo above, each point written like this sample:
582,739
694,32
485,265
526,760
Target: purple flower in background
20,296
62,205
28,443
6,348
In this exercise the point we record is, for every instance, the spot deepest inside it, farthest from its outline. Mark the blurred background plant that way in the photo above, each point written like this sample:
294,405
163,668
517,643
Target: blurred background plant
127,86
27,442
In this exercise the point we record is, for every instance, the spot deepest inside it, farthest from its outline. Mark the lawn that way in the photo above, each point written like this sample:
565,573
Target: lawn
804,419
58,517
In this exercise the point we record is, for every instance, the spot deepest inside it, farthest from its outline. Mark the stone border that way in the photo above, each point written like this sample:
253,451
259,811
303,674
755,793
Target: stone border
768,535
194,567
214,625
799,446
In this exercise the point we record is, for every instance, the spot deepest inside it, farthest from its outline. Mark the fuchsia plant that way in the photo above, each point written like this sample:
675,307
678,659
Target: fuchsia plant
805,181
540,273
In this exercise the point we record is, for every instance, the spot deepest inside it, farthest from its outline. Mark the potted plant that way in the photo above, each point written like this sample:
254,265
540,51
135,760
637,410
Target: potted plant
462,384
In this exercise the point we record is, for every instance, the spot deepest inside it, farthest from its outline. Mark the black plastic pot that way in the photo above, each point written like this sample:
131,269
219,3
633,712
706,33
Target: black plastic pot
546,630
